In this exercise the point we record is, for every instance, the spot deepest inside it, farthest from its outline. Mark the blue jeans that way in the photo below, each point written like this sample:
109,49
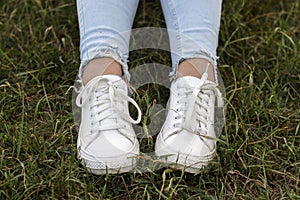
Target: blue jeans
193,27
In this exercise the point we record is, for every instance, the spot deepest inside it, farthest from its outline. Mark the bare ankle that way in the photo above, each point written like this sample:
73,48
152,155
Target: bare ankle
196,67
101,66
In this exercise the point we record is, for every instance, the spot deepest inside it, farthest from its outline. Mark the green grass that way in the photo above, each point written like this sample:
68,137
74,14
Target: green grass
259,157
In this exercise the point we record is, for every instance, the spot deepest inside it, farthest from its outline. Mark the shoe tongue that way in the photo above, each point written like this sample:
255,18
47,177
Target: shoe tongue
111,77
192,81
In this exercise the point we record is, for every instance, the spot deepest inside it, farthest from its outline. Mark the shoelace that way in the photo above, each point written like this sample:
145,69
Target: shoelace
105,104
192,114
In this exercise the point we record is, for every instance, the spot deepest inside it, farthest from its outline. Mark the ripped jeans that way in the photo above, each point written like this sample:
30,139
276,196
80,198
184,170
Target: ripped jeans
193,27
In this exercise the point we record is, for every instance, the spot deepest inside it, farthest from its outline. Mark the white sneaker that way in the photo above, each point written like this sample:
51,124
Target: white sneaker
106,140
188,137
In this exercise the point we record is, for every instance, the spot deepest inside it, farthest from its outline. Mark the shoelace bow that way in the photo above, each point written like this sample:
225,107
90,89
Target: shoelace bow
105,104
195,106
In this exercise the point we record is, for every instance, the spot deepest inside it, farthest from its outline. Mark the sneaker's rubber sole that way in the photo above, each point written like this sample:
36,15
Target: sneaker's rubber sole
120,170
111,165
181,161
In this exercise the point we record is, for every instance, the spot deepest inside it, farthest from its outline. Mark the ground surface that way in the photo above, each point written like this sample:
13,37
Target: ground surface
259,152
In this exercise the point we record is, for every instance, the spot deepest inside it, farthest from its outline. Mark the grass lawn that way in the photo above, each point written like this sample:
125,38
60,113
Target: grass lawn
258,156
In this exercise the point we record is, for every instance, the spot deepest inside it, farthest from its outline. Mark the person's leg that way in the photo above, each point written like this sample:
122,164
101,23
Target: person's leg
106,140
105,28
189,132
193,30
101,66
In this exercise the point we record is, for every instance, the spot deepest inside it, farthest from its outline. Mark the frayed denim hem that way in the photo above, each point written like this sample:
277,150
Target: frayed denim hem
111,52
199,54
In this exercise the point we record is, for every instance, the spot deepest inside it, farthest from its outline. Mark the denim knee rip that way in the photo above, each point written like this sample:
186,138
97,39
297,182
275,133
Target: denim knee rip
111,52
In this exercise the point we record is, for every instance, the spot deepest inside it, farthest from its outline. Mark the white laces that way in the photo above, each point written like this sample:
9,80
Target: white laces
193,104
104,105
